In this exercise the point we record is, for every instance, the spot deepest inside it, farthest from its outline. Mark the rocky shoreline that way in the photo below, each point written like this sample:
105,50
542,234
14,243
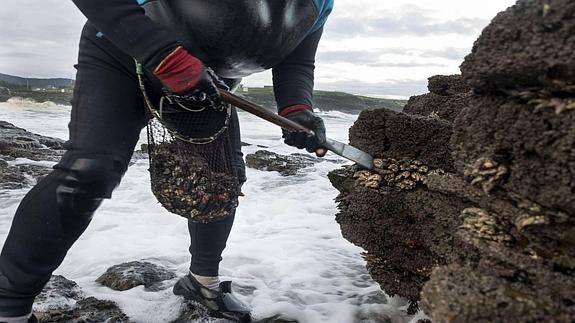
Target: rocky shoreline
26,157
486,232
62,300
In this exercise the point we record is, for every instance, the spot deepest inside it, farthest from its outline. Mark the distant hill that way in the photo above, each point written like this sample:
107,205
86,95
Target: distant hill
59,90
326,100
14,82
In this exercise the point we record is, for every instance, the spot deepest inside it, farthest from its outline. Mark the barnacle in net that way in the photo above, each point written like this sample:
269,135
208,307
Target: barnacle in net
486,173
186,184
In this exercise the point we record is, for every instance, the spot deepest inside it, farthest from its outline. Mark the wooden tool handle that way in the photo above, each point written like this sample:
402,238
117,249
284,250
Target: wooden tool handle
261,112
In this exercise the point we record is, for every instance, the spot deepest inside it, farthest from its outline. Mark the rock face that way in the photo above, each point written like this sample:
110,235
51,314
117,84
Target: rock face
131,274
527,45
18,143
487,232
399,135
285,165
5,94
63,301
21,150
448,96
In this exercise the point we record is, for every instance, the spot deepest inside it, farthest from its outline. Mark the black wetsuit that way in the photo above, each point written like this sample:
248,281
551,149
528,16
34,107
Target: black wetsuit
108,114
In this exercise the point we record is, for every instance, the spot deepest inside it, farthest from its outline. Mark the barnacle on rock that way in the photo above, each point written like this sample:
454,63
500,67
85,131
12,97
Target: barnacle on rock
484,225
368,179
526,219
402,174
559,105
486,173
553,98
534,213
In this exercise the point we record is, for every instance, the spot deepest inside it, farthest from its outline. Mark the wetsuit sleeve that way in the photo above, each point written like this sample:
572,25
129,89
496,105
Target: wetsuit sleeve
293,77
125,24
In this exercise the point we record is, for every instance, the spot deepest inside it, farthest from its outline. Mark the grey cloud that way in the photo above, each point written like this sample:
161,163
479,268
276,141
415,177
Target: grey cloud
405,64
373,57
19,54
451,53
39,38
412,20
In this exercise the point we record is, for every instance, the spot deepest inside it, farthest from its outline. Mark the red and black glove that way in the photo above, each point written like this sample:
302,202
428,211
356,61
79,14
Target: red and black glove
304,115
188,81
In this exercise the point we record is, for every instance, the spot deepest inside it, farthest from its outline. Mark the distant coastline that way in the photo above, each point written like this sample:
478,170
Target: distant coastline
59,91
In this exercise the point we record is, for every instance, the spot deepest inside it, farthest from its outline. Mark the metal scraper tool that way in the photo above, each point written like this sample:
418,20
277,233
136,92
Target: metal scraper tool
360,157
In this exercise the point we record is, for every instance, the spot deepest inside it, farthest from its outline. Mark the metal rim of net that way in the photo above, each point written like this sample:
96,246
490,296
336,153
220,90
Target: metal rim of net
157,113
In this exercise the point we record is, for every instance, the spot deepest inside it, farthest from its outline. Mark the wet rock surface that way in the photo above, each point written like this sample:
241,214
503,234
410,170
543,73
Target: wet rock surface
399,135
63,301
19,150
530,44
26,157
538,147
448,96
135,273
286,165
487,232
437,106
447,85
5,94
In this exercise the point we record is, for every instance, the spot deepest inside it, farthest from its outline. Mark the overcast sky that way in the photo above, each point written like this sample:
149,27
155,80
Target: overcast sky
370,47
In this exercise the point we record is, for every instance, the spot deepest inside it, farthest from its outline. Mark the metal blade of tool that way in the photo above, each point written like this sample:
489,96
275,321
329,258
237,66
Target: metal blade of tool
349,152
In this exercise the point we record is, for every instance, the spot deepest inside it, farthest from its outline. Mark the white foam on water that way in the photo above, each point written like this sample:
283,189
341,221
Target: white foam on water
285,253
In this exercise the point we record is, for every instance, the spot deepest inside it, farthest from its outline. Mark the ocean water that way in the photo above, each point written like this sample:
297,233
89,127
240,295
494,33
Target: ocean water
285,253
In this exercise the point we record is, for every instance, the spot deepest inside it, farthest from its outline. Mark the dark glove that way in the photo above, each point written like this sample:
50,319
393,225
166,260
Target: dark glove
188,81
304,116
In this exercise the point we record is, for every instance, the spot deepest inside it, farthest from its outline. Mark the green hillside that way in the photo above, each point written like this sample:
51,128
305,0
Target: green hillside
59,91
326,100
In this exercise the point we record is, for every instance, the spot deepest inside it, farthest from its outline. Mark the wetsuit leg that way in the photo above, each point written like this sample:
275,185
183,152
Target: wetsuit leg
208,241
107,116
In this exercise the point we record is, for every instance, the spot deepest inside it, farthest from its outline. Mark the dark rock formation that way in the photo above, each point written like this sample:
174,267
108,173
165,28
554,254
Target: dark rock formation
449,95
18,143
536,145
135,273
397,227
398,135
5,94
88,309
285,165
447,85
526,45
487,233
63,301
438,106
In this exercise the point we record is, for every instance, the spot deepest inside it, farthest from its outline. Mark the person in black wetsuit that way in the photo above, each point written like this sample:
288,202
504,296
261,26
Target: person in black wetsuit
176,41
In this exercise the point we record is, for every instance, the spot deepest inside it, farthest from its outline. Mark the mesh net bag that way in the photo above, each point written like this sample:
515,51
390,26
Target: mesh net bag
191,159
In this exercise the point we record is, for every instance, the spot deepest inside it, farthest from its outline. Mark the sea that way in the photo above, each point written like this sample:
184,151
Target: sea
285,255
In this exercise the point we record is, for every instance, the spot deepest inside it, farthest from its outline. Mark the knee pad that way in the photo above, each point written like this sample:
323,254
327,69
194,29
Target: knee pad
86,183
